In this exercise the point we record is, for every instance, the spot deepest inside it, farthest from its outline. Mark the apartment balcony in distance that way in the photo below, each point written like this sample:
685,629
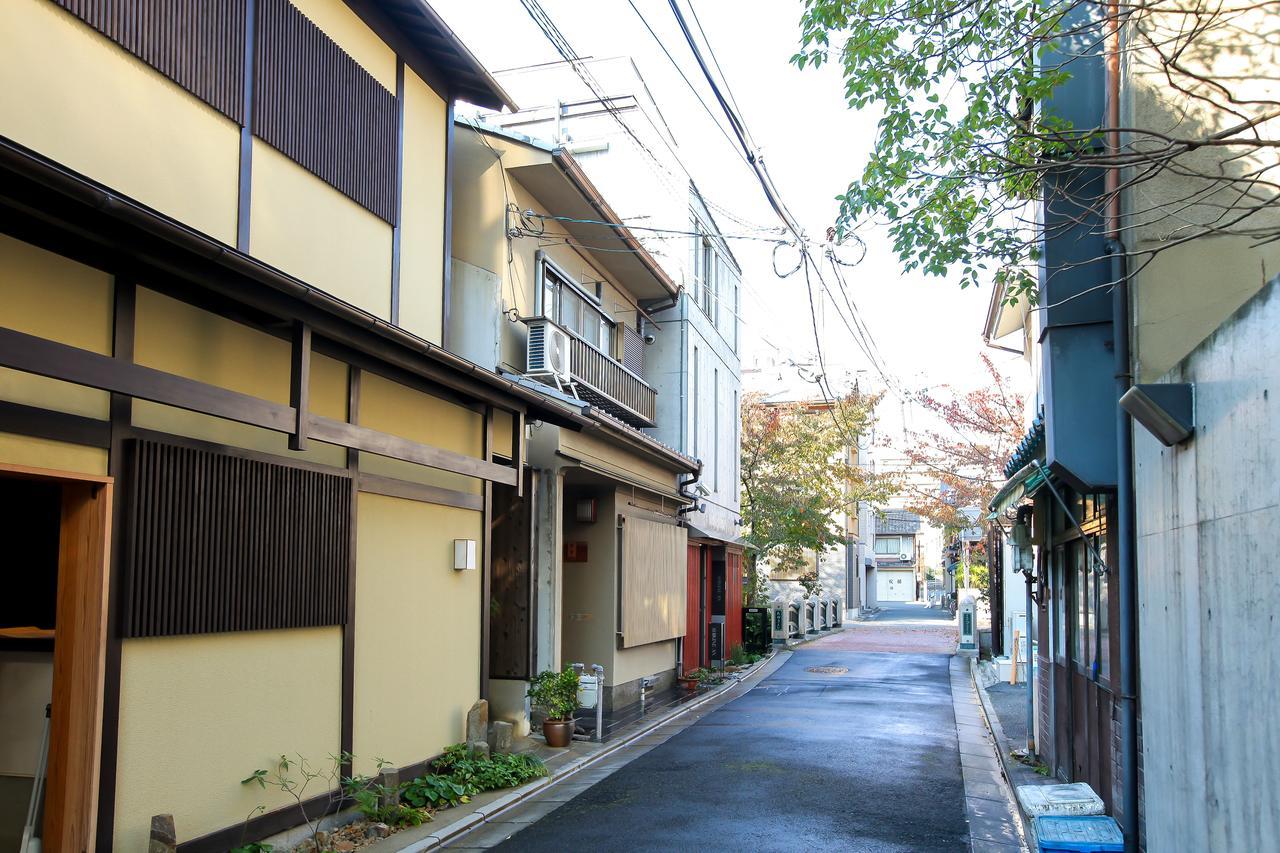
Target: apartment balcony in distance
599,379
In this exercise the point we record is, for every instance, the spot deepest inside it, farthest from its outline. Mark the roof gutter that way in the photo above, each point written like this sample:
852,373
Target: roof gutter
579,178
54,177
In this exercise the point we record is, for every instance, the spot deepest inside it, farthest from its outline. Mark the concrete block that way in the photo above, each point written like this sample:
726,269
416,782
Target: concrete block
1076,798
479,748
501,734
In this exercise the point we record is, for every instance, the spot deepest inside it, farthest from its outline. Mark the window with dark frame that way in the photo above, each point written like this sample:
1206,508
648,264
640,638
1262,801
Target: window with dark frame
565,302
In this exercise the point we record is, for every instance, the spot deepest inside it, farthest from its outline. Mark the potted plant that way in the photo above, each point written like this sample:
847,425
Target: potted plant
690,680
556,695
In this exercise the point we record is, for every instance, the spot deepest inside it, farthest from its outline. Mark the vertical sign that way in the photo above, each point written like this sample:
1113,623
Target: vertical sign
715,642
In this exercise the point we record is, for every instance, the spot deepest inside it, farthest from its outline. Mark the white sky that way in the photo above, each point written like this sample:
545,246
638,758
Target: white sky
928,330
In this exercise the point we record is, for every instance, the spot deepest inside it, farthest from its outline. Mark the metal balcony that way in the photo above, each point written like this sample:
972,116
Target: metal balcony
604,382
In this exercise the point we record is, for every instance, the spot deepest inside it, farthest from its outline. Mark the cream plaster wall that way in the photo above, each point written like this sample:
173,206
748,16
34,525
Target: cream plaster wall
26,683
56,298
1188,290
200,713
399,410
480,197
74,96
629,465
417,630
590,592
302,226
54,455
179,338
422,247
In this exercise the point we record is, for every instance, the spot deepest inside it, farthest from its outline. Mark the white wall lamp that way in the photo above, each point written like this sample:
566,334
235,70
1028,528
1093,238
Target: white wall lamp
1166,410
464,555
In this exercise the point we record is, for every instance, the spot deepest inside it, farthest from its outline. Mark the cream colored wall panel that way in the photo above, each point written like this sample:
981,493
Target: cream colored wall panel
306,228
198,714
55,455
642,661
417,630
26,683
175,421
629,465
362,44
589,598
400,470
328,389
76,97
56,298
422,220
180,338
397,409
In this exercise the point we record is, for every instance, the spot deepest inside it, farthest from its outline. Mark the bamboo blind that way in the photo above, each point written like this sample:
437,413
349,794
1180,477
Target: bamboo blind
653,581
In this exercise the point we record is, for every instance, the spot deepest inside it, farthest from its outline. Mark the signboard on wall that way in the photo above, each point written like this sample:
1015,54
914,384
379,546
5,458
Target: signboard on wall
715,642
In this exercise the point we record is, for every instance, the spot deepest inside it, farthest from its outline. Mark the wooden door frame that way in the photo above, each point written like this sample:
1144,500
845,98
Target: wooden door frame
79,655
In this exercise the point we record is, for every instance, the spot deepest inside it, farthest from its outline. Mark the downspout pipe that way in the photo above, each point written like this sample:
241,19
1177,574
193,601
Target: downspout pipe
1125,548
1125,535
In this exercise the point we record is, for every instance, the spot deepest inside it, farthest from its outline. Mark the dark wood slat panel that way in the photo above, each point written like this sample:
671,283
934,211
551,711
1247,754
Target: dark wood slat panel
198,44
320,108
222,543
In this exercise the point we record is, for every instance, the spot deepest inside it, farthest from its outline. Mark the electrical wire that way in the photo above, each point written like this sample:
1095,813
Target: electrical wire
675,231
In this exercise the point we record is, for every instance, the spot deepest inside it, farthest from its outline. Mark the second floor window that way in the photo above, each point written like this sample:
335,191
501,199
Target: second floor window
564,302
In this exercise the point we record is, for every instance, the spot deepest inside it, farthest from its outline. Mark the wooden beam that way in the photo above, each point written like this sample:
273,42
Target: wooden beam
391,487
56,426
43,357
384,444
37,355
300,384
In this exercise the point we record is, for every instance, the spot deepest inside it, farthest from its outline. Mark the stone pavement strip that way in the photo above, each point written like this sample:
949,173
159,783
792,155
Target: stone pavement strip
994,826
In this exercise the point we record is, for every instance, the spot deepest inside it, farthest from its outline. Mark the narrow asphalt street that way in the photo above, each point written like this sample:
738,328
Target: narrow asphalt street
842,748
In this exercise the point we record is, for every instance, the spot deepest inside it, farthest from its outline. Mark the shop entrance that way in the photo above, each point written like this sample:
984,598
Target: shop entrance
56,528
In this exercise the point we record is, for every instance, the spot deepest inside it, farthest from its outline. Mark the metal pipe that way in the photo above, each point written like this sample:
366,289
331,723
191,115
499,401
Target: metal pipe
1031,682
1126,568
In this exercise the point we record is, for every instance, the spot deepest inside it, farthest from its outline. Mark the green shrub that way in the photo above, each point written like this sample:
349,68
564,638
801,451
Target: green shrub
478,773
433,791
556,693
739,655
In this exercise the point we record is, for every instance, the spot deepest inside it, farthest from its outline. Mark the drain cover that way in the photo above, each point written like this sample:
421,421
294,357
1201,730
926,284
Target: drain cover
827,670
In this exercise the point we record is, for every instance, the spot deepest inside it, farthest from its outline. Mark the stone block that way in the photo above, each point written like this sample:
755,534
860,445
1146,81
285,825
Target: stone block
478,722
164,835
377,830
479,748
501,734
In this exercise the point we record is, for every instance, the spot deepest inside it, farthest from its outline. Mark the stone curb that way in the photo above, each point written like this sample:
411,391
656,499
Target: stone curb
795,644
997,735
492,810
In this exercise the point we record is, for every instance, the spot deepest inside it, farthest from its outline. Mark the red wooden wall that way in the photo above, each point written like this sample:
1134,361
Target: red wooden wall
692,655
732,601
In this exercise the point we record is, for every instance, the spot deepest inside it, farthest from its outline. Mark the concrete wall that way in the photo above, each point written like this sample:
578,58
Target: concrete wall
1207,516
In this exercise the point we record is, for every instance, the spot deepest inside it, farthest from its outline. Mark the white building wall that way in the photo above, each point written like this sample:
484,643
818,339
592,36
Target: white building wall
1208,513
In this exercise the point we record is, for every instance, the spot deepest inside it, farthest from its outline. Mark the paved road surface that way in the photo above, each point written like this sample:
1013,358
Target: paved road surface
860,756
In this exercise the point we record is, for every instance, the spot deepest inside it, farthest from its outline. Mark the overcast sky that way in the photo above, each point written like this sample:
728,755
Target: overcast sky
928,330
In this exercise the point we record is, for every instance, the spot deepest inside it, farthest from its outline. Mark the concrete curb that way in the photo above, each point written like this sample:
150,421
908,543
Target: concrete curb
495,808
997,733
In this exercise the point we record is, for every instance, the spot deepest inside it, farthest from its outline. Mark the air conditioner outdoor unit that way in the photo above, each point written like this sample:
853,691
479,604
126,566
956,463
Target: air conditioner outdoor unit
548,352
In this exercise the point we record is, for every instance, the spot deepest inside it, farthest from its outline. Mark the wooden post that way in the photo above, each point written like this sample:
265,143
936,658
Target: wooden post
1013,675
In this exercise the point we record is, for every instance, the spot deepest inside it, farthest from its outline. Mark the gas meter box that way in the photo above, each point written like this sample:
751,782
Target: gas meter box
588,691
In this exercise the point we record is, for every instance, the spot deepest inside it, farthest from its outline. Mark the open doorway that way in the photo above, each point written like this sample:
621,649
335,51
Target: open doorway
55,529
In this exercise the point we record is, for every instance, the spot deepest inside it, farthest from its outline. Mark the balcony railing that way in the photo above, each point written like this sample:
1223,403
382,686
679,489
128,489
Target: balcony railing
604,382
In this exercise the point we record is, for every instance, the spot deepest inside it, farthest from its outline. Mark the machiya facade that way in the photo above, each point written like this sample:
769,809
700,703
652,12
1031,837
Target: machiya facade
551,291
240,457
693,362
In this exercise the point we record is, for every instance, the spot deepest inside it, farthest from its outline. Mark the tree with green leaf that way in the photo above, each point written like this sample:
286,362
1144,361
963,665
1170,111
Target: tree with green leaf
964,143
800,479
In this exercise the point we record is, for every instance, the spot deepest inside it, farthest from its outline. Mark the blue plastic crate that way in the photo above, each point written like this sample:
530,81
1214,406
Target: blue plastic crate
1079,834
